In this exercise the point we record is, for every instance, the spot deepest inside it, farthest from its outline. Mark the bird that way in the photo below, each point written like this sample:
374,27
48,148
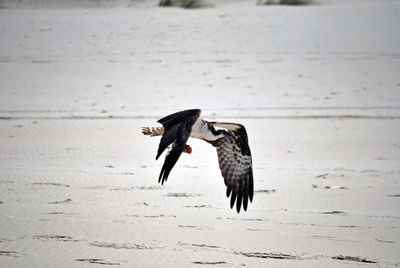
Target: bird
229,139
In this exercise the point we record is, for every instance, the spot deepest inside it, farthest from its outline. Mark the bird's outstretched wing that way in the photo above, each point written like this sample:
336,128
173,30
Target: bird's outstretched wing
177,129
235,162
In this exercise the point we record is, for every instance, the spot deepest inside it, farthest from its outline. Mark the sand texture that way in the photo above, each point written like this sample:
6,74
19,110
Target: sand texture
317,87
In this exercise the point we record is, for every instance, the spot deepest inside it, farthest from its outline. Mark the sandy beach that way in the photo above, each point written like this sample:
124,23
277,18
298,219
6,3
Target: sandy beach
317,87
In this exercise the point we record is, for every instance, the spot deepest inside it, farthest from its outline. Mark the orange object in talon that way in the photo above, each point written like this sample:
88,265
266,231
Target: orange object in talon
187,149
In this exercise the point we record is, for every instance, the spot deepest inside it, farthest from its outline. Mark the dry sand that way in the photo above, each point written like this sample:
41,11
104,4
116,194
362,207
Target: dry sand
317,88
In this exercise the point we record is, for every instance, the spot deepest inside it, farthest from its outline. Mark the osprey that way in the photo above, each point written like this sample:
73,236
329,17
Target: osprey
230,139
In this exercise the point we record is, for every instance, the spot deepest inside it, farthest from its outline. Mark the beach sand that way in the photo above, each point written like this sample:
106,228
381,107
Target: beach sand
317,88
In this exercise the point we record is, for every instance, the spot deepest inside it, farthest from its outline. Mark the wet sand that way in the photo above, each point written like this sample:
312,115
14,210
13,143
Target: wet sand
79,191
78,180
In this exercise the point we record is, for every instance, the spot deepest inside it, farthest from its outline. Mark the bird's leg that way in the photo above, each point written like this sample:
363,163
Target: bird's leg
187,150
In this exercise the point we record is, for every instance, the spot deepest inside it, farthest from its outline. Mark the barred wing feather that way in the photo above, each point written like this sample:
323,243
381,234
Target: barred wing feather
235,162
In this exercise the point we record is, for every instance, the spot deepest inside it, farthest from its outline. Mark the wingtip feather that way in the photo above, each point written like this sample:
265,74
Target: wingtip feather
239,197
233,198
228,191
251,185
245,202
238,205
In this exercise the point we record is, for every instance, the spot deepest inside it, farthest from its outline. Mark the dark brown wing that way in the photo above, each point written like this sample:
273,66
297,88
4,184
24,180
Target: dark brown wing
177,129
235,162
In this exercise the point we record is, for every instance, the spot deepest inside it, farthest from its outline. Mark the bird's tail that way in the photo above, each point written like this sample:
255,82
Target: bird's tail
153,131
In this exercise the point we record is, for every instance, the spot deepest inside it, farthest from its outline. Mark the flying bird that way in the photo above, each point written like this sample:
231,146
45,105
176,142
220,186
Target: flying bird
230,140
